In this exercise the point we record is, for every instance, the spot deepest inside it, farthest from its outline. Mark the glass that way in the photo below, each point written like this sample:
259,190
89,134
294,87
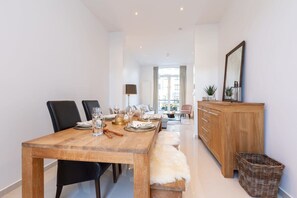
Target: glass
130,113
116,109
97,121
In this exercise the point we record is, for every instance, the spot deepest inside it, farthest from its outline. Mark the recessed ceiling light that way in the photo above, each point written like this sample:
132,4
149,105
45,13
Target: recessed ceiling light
136,13
180,28
140,46
181,8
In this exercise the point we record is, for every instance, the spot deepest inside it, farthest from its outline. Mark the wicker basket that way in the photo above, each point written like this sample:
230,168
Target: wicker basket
259,175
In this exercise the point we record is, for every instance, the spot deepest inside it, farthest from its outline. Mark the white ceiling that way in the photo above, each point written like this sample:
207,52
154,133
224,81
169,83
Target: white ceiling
156,27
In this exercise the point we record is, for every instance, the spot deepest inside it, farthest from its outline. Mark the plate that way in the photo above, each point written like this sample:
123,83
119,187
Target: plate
148,126
81,127
138,130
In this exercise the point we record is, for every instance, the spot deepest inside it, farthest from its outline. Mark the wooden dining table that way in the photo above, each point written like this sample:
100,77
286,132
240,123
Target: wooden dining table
80,145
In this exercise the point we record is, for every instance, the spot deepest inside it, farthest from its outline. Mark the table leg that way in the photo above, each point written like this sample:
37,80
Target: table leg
32,175
141,176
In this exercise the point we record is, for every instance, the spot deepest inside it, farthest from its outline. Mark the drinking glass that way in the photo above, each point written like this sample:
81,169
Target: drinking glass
97,121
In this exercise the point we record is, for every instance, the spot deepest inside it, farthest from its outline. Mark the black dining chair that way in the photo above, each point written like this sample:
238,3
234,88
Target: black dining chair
64,114
88,107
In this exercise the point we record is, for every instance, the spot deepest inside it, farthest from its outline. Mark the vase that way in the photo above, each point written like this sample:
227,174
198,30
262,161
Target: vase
211,97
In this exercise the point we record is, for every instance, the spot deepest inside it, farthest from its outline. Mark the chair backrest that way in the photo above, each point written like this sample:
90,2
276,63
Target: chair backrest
88,107
64,114
187,107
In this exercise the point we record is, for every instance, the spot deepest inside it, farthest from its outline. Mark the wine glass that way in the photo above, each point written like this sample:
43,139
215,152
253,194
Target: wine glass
116,109
130,113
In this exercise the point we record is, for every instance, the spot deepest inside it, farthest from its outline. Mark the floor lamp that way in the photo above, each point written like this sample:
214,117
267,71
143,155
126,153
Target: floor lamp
130,89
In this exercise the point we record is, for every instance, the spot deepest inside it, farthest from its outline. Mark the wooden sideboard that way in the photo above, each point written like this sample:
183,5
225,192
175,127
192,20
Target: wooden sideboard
227,128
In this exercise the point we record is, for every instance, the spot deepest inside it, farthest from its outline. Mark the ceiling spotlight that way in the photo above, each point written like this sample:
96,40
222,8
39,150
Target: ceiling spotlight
181,8
140,47
136,13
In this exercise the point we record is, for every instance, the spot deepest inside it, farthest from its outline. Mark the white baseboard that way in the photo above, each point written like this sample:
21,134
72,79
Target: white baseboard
18,183
283,193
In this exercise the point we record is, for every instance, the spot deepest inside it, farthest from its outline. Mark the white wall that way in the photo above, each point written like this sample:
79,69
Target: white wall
116,65
124,69
147,85
131,75
269,28
206,62
49,50
190,85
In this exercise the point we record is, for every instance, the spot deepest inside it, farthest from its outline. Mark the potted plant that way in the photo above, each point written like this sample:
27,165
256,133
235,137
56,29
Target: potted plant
229,92
210,90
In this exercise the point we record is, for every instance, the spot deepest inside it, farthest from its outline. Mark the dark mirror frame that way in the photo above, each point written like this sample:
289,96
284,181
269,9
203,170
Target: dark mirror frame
242,44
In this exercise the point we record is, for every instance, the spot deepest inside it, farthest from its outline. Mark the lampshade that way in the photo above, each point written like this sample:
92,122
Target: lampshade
131,89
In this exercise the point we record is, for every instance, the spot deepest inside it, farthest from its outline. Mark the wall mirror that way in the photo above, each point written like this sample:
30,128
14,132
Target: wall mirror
233,70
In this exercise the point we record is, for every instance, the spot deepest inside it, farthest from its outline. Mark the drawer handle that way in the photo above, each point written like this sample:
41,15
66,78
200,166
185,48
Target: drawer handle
204,139
212,113
205,129
204,119
202,110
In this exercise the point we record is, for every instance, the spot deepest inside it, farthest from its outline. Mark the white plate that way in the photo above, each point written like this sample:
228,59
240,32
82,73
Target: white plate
148,126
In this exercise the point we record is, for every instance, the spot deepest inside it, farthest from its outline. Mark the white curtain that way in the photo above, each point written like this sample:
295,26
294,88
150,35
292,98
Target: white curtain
156,87
183,84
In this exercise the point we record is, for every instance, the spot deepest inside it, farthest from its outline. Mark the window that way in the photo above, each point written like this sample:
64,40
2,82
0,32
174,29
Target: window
168,89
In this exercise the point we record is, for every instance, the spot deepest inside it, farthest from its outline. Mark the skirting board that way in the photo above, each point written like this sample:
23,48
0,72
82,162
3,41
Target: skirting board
17,184
283,193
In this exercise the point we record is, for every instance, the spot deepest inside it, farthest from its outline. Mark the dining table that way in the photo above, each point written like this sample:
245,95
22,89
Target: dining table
80,145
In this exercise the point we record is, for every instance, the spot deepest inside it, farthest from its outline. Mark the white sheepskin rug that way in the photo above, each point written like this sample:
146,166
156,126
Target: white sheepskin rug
167,164
168,138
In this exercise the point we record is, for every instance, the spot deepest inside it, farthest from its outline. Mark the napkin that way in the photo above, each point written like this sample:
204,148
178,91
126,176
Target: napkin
151,116
138,124
84,124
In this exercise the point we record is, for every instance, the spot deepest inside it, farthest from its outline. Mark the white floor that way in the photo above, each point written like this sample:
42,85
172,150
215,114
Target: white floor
206,178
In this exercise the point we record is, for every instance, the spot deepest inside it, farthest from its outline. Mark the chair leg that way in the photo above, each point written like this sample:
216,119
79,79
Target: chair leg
97,185
120,168
59,191
114,173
